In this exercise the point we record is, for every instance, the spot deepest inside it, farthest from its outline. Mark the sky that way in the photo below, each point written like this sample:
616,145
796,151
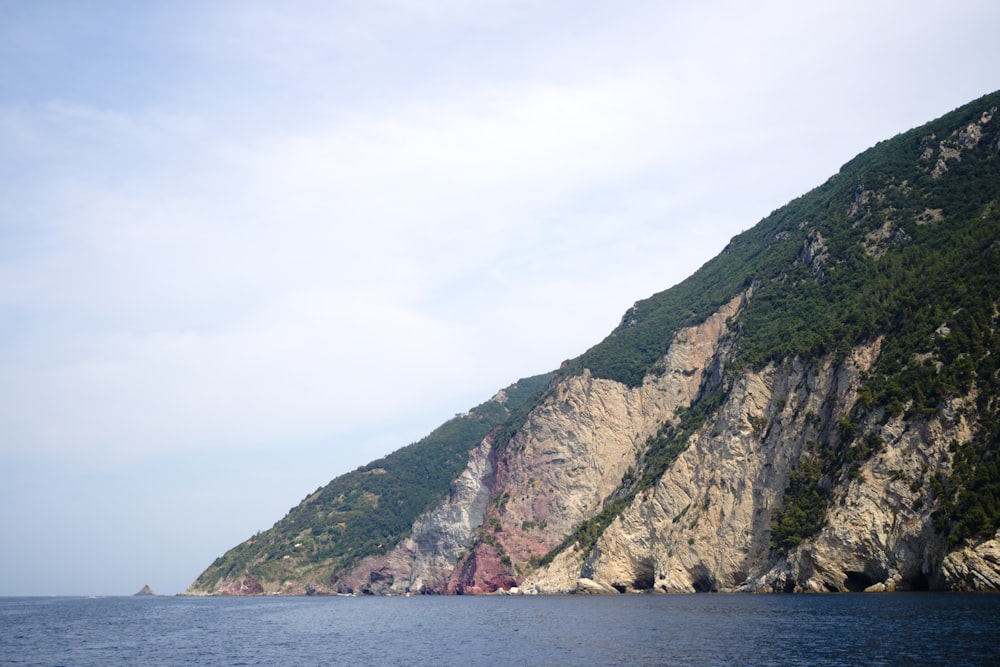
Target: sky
248,246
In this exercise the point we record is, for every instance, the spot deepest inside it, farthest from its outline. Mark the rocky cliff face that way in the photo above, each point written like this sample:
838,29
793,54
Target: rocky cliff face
706,525
573,453
440,537
514,504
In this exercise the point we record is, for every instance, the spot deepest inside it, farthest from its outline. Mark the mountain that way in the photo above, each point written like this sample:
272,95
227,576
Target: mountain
812,410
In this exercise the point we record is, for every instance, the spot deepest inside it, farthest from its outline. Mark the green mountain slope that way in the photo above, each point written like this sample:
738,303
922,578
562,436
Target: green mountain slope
881,223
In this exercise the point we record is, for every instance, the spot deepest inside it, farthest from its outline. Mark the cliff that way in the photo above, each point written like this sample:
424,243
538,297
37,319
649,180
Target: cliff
813,410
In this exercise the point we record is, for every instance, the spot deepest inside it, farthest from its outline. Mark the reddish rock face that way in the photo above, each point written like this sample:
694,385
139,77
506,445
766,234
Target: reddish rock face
481,572
248,585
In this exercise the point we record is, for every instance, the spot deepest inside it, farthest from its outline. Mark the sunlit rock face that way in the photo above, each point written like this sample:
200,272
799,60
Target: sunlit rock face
514,503
706,524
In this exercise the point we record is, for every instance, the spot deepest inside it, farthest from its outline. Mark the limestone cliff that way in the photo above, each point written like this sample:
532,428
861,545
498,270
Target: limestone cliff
554,473
706,525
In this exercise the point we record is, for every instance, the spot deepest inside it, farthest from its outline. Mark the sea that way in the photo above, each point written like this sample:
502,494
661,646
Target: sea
696,629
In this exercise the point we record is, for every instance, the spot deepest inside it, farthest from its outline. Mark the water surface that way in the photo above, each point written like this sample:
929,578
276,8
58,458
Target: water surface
710,629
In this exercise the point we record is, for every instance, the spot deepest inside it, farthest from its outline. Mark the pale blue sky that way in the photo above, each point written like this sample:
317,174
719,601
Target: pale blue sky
248,246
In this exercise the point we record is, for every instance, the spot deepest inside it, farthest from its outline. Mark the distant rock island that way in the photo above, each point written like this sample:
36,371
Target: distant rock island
146,590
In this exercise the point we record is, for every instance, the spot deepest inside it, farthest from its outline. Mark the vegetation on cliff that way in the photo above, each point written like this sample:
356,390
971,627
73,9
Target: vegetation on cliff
370,510
873,250
902,244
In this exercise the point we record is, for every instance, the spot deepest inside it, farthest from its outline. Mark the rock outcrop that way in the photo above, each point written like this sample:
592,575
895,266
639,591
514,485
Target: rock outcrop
424,561
706,525
973,568
514,504
245,585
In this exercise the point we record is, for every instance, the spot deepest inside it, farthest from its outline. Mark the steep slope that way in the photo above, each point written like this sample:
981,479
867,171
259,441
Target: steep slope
368,511
813,409
856,444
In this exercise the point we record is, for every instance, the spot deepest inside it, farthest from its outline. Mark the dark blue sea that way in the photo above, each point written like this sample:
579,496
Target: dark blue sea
709,629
